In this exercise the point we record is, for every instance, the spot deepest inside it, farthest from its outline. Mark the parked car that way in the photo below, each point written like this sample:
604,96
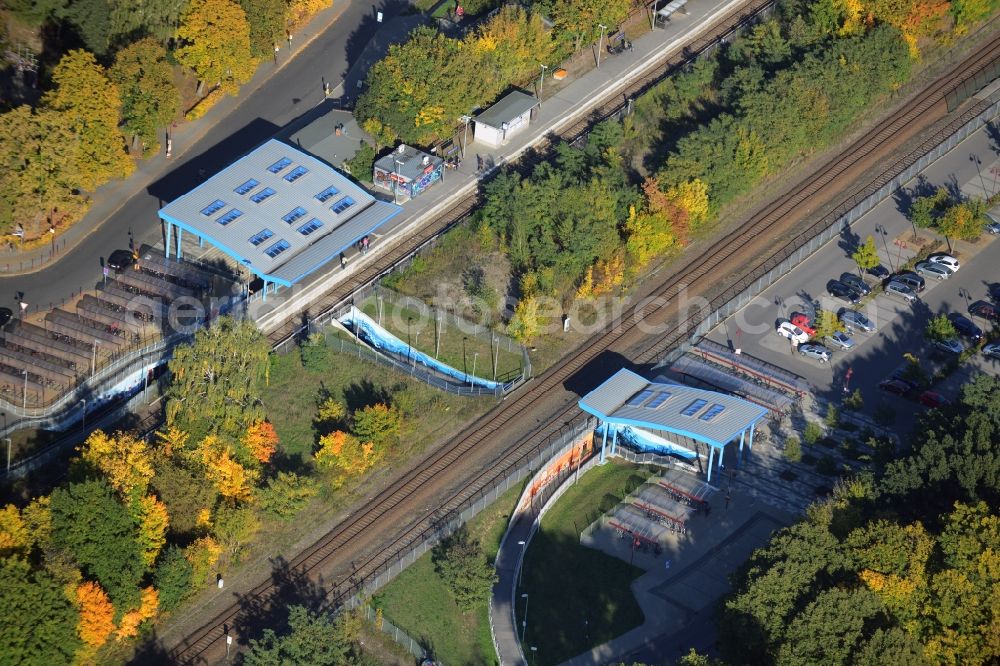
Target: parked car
984,310
6,314
950,346
932,270
992,350
994,292
120,260
853,319
841,340
900,290
965,327
803,322
933,399
879,271
787,329
896,386
947,260
911,280
856,282
838,289
818,352
992,228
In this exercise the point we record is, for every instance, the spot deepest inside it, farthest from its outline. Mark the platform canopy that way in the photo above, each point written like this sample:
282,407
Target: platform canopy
709,417
278,211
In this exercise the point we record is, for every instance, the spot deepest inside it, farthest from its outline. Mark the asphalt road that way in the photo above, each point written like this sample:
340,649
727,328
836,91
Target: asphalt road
900,326
277,101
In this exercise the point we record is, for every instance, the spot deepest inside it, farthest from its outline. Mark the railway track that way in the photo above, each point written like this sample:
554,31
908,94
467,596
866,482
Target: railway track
354,537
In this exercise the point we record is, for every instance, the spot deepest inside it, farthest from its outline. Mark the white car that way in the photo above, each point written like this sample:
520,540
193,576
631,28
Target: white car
787,329
945,260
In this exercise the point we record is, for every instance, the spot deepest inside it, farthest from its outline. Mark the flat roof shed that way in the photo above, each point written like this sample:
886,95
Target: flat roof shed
407,170
509,116
709,417
278,211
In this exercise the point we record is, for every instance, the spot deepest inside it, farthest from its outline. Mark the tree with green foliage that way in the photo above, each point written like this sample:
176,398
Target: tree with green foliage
93,528
940,328
286,494
90,102
793,450
576,22
217,380
311,638
812,433
267,25
866,256
172,578
463,567
963,221
925,210
362,165
149,97
39,625
224,62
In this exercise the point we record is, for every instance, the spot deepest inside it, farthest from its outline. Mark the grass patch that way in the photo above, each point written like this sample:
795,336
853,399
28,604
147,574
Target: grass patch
460,350
418,602
294,392
578,597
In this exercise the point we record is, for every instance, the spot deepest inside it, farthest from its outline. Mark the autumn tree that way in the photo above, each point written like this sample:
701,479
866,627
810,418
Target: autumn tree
330,415
216,380
149,97
347,454
691,197
261,440
203,554
866,256
379,423
267,25
152,520
122,459
963,221
90,103
226,62
648,236
511,44
231,479
97,614
39,619
525,323
149,605
577,21
172,440
234,528
826,323
15,537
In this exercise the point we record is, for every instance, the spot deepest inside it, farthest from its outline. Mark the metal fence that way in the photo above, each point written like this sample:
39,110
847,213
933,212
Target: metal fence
830,227
397,634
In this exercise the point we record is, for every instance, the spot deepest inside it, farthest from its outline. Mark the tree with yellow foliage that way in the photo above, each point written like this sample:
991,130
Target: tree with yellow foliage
122,458
214,39
262,441
202,554
172,440
346,453
233,481
151,518
15,537
97,614
690,196
648,235
525,323
512,43
150,604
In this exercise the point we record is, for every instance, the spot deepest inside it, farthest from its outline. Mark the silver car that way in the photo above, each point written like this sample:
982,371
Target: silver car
900,290
933,270
840,340
853,319
992,350
818,352
951,346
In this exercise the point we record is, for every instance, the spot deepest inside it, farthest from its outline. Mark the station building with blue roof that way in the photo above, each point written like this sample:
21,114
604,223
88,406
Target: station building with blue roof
686,415
278,211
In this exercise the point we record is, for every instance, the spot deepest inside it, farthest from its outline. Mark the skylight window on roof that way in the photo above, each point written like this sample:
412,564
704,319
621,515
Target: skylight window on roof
260,237
280,165
660,398
310,226
213,208
693,408
327,194
342,205
277,248
712,412
296,173
265,193
230,216
247,186
639,398
295,214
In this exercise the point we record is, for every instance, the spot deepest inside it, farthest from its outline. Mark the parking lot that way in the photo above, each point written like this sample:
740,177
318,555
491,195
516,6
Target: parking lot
900,326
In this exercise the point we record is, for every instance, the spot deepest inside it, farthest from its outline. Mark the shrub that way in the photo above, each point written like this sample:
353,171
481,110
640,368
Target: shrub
793,450
361,165
854,402
812,433
173,578
832,416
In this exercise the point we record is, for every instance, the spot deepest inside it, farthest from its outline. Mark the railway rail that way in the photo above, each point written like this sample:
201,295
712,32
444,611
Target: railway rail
353,541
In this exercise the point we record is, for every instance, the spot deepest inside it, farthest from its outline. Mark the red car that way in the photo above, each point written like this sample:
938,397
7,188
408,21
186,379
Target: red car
804,323
933,399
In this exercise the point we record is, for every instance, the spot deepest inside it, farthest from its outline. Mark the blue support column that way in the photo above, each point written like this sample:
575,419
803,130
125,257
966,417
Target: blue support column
180,243
739,457
604,441
711,457
166,249
614,442
264,297
201,242
722,452
750,443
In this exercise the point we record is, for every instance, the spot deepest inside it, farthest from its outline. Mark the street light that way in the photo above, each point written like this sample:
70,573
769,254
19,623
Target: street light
533,657
395,190
880,230
24,406
475,356
600,43
93,357
524,620
84,401
465,140
7,439
520,569
541,83
465,366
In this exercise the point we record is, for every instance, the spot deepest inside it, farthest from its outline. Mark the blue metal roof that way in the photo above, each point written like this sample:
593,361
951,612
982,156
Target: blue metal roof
706,416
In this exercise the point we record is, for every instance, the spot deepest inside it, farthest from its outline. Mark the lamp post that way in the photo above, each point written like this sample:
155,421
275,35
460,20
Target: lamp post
520,569
475,356
541,83
409,347
600,43
978,162
7,439
465,367
880,230
93,357
84,420
524,620
380,302
395,189
496,353
465,139
24,405
533,658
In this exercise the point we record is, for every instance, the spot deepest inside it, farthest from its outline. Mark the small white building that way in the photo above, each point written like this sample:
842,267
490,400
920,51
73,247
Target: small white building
509,116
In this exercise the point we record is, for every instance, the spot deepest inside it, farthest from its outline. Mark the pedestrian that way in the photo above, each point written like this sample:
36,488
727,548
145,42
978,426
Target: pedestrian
364,245
479,163
343,260
666,565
